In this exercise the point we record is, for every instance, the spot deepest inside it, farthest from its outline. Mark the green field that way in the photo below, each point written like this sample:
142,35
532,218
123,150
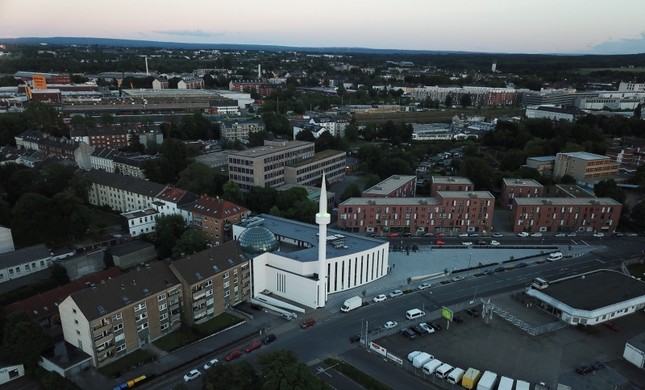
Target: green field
586,71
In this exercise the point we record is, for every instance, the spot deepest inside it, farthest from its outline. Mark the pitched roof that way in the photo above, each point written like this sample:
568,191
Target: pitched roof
45,304
210,262
216,207
24,255
116,293
177,196
126,183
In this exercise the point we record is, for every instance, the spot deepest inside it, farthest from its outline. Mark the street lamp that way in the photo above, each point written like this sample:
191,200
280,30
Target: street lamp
470,256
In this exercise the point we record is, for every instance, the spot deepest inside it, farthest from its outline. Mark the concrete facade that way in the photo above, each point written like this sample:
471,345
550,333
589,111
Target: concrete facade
583,165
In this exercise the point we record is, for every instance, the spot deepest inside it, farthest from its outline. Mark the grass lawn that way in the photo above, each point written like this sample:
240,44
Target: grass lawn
186,335
356,375
126,363
102,219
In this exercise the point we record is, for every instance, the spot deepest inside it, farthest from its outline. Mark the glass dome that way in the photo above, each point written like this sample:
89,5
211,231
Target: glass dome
258,239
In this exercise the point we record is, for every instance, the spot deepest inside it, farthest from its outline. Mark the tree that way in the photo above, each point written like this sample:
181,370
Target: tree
134,143
449,101
638,214
191,241
567,179
352,191
233,193
168,230
281,370
59,275
24,340
108,259
609,189
638,111
465,100
197,178
238,376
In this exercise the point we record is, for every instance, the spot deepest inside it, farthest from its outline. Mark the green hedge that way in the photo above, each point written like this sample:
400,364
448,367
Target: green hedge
356,375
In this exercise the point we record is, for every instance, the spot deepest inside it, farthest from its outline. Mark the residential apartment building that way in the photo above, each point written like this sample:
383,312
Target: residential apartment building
215,216
103,159
519,188
395,186
63,148
633,156
263,166
25,261
121,193
123,314
102,137
449,211
132,164
571,191
240,130
191,83
334,125
583,166
213,280
567,114
565,214
175,201
140,222
450,183
543,164
309,171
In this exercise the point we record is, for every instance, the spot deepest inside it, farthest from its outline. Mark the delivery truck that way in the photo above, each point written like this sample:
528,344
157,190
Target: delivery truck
443,370
487,381
421,359
351,304
522,385
505,383
470,378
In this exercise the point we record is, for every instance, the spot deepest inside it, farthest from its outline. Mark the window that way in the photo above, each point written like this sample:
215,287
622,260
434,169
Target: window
161,297
140,306
118,327
74,311
121,348
117,317
227,284
164,326
225,275
163,316
141,316
142,326
227,293
163,306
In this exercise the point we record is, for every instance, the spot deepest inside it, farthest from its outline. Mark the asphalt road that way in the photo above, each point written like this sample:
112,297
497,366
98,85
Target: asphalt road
330,336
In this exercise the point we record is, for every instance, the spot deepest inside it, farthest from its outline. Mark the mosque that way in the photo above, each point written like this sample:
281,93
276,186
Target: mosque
296,263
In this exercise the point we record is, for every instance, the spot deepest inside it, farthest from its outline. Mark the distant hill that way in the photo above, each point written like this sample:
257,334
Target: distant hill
110,42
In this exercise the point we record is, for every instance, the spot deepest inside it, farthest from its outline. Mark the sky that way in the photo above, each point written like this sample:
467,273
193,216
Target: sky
506,26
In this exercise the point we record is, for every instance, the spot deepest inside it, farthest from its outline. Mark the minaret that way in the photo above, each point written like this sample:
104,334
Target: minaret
259,71
322,219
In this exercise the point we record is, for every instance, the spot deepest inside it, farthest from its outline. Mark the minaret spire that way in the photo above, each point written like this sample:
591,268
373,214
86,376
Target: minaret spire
322,219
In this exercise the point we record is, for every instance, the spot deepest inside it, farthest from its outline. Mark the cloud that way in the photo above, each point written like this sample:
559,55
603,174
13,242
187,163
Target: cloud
621,46
190,33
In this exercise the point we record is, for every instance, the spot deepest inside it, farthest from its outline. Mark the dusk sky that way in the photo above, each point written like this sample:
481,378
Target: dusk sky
513,26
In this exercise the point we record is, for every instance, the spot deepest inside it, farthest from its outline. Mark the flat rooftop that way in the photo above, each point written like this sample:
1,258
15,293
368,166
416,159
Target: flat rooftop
596,290
270,149
574,191
287,229
465,194
521,182
543,158
451,180
388,185
319,156
566,201
585,156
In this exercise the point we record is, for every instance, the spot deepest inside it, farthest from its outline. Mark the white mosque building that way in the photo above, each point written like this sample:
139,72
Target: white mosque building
302,263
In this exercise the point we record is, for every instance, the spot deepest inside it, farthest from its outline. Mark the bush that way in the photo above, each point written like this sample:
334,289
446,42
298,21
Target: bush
357,375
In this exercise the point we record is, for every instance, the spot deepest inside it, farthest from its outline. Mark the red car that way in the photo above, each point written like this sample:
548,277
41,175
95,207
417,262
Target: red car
612,326
439,242
392,235
440,235
308,323
234,354
253,345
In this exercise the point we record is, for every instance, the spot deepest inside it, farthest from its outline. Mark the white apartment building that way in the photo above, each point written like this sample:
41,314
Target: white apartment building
121,193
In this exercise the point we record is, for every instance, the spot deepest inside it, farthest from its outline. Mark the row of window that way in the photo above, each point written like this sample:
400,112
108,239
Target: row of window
27,267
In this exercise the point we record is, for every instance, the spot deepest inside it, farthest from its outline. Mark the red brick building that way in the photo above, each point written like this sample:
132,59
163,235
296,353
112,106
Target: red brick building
565,214
396,186
450,183
216,216
519,188
450,211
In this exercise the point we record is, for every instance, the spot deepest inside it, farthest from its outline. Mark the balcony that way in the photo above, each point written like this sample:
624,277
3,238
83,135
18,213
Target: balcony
97,328
199,294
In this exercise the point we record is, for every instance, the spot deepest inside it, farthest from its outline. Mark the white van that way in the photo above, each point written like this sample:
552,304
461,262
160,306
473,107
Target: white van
413,314
443,371
455,375
430,367
554,256
413,354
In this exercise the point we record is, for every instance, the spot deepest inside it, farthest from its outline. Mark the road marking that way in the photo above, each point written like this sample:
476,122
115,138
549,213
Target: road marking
323,371
600,261
583,241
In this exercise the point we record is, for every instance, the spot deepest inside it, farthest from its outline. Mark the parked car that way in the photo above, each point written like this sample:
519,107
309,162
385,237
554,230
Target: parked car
572,234
522,234
457,278
417,329
482,242
440,243
612,326
288,316
489,272
521,265
234,354
599,235
428,235
467,243
598,365
440,235
497,235
192,375
390,325
396,293
457,319
463,235
355,338
252,346
407,332
436,326
268,339
380,298
500,269
472,312
424,285
308,323
494,242
584,370
538,234
631,235
560,235
211,363
473,235
426,328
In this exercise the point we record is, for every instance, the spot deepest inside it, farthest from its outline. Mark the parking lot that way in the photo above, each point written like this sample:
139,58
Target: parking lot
496,345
